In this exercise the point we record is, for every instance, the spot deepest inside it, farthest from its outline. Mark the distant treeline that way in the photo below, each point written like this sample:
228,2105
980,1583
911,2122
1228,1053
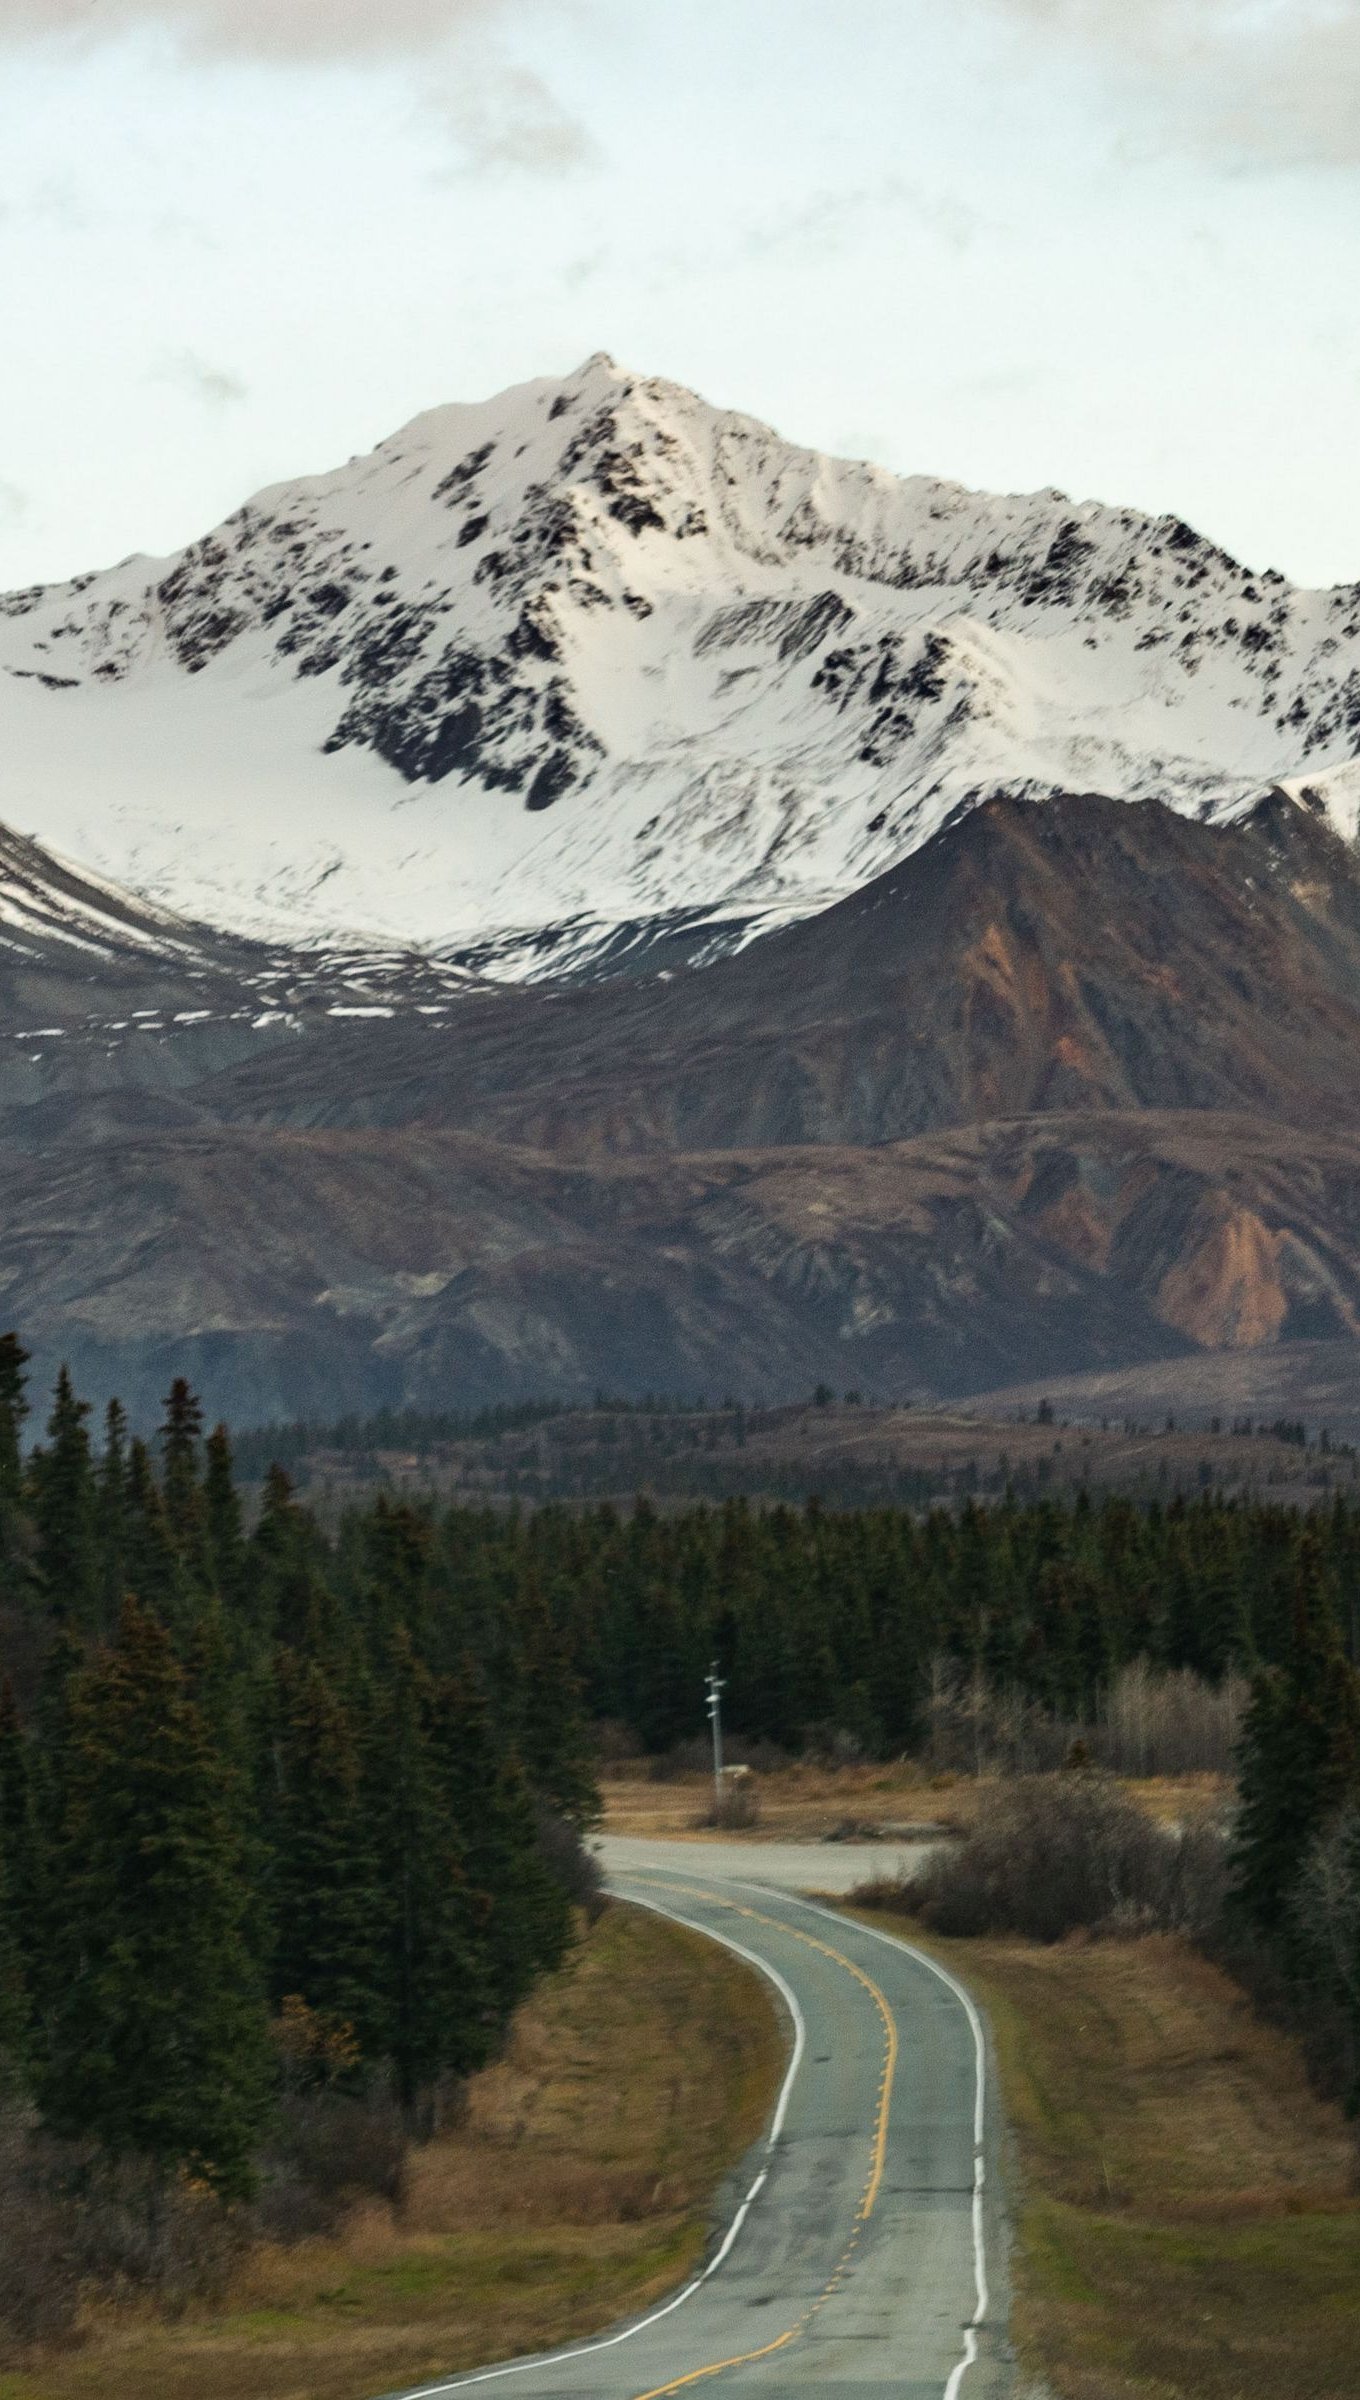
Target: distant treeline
826,1621
419,1432
405,1429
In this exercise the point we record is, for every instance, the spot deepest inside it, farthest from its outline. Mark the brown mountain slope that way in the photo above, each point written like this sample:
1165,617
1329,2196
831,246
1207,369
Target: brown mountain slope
1079,953
1075,1090
304,1271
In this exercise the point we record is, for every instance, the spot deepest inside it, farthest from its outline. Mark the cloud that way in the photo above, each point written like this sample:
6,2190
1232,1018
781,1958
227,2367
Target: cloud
1259,82
507,117
216,387
13,506
499,114
273,29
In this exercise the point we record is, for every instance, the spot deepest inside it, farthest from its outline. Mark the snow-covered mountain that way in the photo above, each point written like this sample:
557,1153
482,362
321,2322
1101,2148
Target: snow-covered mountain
543,678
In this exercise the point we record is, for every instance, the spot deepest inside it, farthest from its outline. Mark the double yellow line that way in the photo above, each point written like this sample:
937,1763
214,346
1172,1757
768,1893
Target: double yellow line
877,2155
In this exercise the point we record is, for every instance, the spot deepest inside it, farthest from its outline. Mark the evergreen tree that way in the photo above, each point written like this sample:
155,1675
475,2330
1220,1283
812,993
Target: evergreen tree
13,1411
155,2044
14,2011
553,1743
519,1911
62,1478
434,2002
18,1833
224,1541
1299,1758
111,1512
152,1568
181,1440
14,1562
290,1598
326,1905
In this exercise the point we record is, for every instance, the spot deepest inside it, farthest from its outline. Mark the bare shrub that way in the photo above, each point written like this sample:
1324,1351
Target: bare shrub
39,2287
1149,1722
973,1730
1169,1724
134,2233
615,1746
1057,1853
73,2222
575,1866
330,2150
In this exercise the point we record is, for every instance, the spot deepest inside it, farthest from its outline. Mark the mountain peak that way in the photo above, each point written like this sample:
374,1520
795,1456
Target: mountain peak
595,655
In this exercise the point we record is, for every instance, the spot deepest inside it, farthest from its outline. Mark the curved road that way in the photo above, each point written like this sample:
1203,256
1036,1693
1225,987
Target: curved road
860,2253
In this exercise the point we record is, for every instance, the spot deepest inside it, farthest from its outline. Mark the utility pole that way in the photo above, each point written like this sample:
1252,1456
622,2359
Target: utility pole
715,1687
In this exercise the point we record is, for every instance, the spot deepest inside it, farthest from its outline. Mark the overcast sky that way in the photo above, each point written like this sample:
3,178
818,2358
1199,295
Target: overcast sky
1112,245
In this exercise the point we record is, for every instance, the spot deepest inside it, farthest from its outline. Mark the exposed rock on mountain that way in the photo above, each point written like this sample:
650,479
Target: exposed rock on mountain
1075,954
293,1272
1066,1092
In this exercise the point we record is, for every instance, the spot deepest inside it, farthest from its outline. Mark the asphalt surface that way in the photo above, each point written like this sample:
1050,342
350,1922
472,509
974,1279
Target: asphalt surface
791,1866
859,2250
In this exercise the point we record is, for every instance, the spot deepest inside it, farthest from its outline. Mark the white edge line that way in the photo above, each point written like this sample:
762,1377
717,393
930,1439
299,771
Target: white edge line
558,2358
893,1941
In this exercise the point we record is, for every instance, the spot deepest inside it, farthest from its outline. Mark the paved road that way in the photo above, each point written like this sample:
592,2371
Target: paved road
792,1866
859,2253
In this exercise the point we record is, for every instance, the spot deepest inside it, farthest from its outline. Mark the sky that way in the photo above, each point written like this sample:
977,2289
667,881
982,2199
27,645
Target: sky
1107,245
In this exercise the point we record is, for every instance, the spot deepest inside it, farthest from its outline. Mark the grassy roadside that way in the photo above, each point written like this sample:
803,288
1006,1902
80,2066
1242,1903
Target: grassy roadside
577,2189
1185,2208
809,1801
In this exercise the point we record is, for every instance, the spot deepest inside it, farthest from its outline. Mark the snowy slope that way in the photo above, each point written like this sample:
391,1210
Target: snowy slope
595,654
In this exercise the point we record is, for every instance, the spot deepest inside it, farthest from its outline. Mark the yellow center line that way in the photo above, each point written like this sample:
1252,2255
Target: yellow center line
878,2151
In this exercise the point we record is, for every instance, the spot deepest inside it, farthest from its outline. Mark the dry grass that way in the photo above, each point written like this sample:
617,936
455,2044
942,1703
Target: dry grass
808,1801
577,2188
1188,2222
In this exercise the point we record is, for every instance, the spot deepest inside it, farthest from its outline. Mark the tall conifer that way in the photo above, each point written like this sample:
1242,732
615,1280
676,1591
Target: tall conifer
62,1476
155,2044
1299,1757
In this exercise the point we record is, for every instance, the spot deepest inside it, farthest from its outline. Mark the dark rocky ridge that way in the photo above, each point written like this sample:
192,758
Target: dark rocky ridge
1074,954
1073,1090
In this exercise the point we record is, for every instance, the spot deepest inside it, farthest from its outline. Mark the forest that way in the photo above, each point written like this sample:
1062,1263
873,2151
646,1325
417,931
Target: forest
277,1814
288,1810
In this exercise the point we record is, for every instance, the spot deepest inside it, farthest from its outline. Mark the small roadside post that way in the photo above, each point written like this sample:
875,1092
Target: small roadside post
715,1687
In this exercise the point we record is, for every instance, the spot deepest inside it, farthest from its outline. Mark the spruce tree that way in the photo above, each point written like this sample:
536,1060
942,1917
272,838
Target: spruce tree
181,1440
224,1542
284,1567
520,1913
19,1889
62,1479
19,1833
155,2042
326,1906
1299,1758
433,1988
111,1511
14,1546
153,1573
14,2007
553,1744
13,1411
